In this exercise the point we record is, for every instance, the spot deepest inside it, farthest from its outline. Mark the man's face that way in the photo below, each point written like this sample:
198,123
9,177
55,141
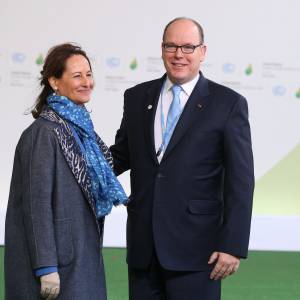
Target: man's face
183,67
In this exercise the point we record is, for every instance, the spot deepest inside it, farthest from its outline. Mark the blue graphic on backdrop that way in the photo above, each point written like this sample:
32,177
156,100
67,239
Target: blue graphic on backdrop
18,57
228,68
113,62
279,90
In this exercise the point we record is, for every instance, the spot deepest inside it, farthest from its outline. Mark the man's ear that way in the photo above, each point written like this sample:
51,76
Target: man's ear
203,52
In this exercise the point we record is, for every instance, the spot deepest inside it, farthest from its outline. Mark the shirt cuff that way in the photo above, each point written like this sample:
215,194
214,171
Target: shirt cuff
45,270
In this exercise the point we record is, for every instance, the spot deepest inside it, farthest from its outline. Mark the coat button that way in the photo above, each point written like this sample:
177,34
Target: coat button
159,175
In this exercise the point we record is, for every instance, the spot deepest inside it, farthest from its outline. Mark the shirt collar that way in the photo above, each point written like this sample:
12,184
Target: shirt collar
187,87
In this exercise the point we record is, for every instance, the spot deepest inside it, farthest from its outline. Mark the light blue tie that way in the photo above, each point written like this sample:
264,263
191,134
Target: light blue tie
173,114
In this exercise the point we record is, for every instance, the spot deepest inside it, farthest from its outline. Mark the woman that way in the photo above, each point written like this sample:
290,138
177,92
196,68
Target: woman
62,187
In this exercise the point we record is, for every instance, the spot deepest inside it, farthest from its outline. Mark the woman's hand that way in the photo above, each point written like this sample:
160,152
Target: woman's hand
50,286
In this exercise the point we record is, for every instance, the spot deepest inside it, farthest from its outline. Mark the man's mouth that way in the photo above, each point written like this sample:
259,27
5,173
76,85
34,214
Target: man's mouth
178,65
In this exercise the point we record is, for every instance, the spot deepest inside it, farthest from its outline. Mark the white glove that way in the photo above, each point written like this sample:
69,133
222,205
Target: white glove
50,285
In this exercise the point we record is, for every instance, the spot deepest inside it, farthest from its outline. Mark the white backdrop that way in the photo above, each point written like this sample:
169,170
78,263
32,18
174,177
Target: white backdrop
253,47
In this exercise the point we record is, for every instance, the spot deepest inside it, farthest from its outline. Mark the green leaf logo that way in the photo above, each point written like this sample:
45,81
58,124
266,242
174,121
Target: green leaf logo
40,60
249,70
298,94
133,64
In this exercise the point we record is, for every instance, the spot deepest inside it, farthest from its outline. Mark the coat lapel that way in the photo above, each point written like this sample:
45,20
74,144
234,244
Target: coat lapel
153,95
197,102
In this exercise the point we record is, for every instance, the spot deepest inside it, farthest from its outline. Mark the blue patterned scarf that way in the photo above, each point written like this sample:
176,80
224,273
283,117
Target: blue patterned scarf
106,189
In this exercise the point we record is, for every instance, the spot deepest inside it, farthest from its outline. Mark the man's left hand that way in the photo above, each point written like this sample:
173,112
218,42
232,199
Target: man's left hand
226,265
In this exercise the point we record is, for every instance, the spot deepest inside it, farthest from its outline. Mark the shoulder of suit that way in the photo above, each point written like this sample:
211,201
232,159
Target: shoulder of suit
224,93
144,85
219,88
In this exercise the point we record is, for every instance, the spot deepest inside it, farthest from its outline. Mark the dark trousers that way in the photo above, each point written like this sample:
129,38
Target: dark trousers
156,283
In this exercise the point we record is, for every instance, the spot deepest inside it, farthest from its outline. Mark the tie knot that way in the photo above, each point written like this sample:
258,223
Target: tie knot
176,89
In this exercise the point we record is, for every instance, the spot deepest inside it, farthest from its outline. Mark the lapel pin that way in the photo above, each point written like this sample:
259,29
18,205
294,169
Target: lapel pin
199,105
149,106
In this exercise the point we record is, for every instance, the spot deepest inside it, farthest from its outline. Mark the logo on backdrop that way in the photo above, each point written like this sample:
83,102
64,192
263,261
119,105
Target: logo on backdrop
228,68
39,60
18,57
279,90
113,62
134,64
298,94
249,70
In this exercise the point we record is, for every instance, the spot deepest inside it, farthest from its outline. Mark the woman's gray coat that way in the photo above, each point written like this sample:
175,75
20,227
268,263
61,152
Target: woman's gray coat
50,217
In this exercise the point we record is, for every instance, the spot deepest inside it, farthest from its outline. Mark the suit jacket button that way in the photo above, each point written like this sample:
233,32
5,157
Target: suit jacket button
159,175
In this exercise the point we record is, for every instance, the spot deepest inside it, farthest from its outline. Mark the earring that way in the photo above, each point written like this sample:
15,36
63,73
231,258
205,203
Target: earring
55,89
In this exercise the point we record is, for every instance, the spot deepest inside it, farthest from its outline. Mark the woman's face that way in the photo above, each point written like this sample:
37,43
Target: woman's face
77,80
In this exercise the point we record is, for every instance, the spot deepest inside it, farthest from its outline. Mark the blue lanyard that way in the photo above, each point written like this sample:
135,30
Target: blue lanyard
163,129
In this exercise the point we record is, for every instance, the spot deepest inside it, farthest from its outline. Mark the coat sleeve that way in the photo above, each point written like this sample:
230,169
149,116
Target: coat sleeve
38,157
120,150
238,182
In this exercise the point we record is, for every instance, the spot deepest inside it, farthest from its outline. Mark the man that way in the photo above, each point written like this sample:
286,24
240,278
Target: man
187,143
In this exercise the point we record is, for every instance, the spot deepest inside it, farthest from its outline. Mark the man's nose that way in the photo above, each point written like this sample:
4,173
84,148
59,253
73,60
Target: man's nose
178,52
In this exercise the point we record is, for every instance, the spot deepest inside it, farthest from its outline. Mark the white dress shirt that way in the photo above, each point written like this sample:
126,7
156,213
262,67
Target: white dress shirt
165,100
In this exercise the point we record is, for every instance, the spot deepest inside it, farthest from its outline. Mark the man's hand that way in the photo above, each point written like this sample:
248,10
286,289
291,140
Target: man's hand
226,265
50,285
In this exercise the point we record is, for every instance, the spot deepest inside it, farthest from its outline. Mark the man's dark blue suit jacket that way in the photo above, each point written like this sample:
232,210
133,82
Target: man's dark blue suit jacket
199,198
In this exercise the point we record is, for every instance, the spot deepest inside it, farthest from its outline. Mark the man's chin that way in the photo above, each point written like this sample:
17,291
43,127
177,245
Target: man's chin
179,79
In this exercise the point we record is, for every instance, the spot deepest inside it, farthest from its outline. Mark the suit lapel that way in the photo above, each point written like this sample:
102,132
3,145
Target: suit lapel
197,102
150,107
